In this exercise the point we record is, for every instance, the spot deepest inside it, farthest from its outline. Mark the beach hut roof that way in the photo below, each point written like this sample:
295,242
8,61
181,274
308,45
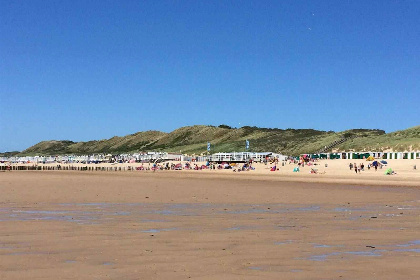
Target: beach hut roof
264,153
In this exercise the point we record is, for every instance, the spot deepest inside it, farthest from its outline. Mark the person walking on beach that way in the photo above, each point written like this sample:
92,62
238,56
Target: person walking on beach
351,166
355,168
375,164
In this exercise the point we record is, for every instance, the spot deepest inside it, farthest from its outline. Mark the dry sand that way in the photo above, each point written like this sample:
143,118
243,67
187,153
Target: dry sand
203,225
330,171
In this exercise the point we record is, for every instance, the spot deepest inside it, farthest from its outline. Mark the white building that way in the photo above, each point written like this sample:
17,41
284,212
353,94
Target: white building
244,156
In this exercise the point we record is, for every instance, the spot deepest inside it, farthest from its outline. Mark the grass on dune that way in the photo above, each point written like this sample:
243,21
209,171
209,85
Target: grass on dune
193,140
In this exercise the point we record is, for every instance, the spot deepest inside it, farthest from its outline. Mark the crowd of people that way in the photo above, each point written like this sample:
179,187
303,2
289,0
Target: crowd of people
236,167
358,168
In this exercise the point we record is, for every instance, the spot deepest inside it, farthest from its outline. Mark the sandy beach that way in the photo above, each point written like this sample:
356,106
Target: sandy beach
198,225
209,140
329,171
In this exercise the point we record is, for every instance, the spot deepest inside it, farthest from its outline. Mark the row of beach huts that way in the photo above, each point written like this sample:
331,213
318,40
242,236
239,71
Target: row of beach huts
365,155
144,157
217,157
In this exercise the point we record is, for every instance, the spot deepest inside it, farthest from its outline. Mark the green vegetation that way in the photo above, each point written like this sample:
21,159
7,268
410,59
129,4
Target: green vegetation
224,126
193,140
9,154
402,140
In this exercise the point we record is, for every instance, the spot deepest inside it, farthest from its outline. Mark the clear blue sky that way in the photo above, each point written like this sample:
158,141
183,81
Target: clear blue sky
84,70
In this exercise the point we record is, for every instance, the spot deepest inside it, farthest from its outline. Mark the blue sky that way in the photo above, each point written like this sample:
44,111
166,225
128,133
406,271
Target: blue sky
84,70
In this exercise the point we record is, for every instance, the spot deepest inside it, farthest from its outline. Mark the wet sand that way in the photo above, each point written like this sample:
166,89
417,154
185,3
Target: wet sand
193,225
